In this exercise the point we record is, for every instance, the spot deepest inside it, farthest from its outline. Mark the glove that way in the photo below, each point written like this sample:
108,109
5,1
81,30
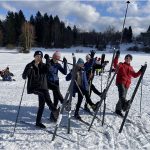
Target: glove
64,60
113,70
118,53
141,69
92,53
46,56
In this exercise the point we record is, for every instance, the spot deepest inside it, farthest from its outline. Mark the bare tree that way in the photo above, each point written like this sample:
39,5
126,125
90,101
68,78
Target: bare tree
27,37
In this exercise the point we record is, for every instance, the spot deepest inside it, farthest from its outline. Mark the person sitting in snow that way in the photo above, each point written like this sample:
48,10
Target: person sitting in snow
53,79
7,75
81,86
123,80
36,72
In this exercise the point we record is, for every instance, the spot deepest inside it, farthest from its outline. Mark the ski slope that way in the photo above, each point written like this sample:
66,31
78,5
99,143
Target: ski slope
135,134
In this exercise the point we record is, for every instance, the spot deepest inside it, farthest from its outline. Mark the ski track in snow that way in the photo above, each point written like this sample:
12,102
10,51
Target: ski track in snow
135,134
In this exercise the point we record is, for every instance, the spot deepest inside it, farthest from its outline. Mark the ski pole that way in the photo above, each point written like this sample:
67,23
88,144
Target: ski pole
18,110
141,98
124,21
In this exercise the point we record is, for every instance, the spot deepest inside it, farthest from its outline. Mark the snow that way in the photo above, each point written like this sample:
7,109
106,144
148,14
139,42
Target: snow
135,134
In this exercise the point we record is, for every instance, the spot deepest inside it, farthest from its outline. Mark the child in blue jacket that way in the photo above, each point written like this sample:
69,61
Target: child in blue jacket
81,86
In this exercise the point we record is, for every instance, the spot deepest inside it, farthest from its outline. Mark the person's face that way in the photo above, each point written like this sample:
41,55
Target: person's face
87,59
56,58
38,58
81,65
128,60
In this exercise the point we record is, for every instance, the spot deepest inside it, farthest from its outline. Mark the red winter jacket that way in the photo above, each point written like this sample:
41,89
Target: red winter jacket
125,72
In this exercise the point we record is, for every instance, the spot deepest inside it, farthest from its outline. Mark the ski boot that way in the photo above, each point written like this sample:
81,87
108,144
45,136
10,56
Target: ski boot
77,116
86,108
118,112
126,105
40,125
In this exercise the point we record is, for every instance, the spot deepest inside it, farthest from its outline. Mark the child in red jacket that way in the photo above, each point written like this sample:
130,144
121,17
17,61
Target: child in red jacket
123,81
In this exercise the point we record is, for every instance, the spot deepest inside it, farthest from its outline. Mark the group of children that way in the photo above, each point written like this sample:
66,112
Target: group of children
44,76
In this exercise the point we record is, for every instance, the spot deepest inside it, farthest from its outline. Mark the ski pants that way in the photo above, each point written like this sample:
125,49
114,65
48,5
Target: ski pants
122,91
93,88
80,98
56,93
43,96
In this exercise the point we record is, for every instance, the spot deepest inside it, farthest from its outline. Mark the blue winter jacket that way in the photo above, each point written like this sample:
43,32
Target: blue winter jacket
52,75
84,81
91,66
7,77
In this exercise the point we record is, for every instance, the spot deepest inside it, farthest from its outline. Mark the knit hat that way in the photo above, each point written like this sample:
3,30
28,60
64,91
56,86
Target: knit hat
56,55
80,61
88,56
129,55
38,53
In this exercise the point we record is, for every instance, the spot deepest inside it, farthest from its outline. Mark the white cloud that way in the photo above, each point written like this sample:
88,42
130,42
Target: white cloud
86,15
8,7
2,17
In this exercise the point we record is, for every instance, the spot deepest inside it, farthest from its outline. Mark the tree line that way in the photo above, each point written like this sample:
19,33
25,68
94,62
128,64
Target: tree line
49,31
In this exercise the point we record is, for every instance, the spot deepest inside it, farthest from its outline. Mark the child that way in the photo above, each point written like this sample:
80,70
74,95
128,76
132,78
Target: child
6,75
123,81
53,79
81,87
36,72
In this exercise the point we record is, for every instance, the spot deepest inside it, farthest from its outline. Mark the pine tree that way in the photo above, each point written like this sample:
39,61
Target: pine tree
130,35
46,31
1,33
39,28
75,34
148,29
10,31
19,21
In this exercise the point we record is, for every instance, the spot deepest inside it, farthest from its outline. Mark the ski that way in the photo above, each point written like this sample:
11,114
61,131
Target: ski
84,122
90,113
68,95
46,130
102,62
109,76
132,97
103,97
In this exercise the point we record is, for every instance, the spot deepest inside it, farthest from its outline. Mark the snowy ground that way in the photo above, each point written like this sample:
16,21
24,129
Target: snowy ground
135,134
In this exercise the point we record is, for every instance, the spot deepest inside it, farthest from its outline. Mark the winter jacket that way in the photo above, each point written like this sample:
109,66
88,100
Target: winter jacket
125,73
91,66
37,78
6,75
52,75
84,82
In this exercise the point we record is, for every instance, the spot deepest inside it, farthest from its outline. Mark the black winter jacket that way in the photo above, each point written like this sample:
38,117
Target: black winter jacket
36,76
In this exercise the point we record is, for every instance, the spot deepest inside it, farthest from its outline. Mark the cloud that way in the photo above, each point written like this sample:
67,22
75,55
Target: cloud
89,15
2,17
8,7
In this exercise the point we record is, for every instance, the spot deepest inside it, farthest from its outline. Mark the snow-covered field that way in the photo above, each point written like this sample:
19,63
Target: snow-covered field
135,134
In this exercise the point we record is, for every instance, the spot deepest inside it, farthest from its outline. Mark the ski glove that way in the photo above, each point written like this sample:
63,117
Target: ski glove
92,53
64,60
113,70
118,53
141,69
46,56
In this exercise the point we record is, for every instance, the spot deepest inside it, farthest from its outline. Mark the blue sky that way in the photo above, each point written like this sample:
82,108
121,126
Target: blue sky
87,15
